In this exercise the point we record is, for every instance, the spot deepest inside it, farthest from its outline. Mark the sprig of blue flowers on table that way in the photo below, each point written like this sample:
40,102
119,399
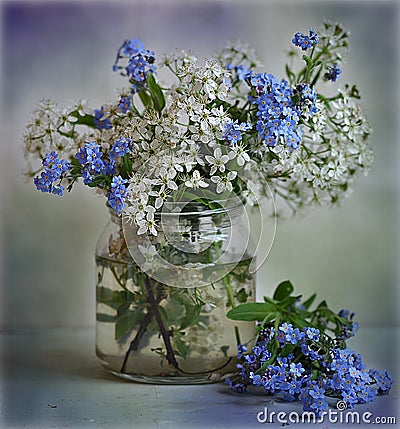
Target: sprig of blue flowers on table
218,121
301,354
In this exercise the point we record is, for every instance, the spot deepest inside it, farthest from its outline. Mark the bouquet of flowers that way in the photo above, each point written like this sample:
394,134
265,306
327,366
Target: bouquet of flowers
221,127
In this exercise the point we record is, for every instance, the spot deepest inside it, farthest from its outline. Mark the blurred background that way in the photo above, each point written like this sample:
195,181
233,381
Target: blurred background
65,51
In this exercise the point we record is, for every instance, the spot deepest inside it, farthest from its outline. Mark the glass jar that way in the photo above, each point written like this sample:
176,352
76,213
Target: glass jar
162,301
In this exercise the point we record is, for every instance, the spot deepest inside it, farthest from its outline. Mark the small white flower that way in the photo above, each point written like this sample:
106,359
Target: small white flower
200,135
148,223
202,117
150,255
186,161
218,117
222,92
82,107
193,152
66,120
237,52
210,87
196,181
217,161
241,155
224,182
161,195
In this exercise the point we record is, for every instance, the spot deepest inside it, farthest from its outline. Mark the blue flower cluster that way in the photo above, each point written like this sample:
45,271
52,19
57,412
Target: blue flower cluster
278,117
93,165
279,107
140,62
117,194
233,131
54,171
306,42
124,104
351,381
333,73
308,97
242,72
119,148
351,328
101,116
286,361
101,120
89,157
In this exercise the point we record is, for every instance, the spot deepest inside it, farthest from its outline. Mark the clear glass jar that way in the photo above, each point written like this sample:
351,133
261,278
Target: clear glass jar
162,301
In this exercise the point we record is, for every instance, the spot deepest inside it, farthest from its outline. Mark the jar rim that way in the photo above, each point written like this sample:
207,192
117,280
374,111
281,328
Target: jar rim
196,208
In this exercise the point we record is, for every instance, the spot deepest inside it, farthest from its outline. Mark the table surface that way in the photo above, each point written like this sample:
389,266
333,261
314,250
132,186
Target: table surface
50,378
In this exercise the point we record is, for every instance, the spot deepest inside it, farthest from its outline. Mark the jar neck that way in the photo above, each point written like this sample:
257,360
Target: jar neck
115,218
193,231
223,214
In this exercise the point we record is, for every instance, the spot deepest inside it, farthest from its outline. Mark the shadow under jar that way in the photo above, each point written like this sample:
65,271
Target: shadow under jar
162,300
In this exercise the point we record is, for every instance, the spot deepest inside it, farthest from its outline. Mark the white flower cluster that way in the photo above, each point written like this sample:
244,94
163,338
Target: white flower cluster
50,128
53,129
182,147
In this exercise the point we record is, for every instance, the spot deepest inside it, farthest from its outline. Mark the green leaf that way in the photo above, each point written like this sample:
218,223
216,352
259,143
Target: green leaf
283,290
145,98
191,316
269,317
76,163
317,76
299,322
127,164
163,314
84,120
269,300
101,179
126,322
307,304
290,74
287,349
287,302
180,345
242,296
156,92
110,297
303,313
251,311
273,349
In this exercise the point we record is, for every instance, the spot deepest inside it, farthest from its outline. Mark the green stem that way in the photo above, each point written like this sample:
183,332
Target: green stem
275,354
133,347
164,333
310,65
117,278
135,342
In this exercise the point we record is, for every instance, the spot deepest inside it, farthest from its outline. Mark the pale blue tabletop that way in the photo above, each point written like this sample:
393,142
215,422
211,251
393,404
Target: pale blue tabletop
52,379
